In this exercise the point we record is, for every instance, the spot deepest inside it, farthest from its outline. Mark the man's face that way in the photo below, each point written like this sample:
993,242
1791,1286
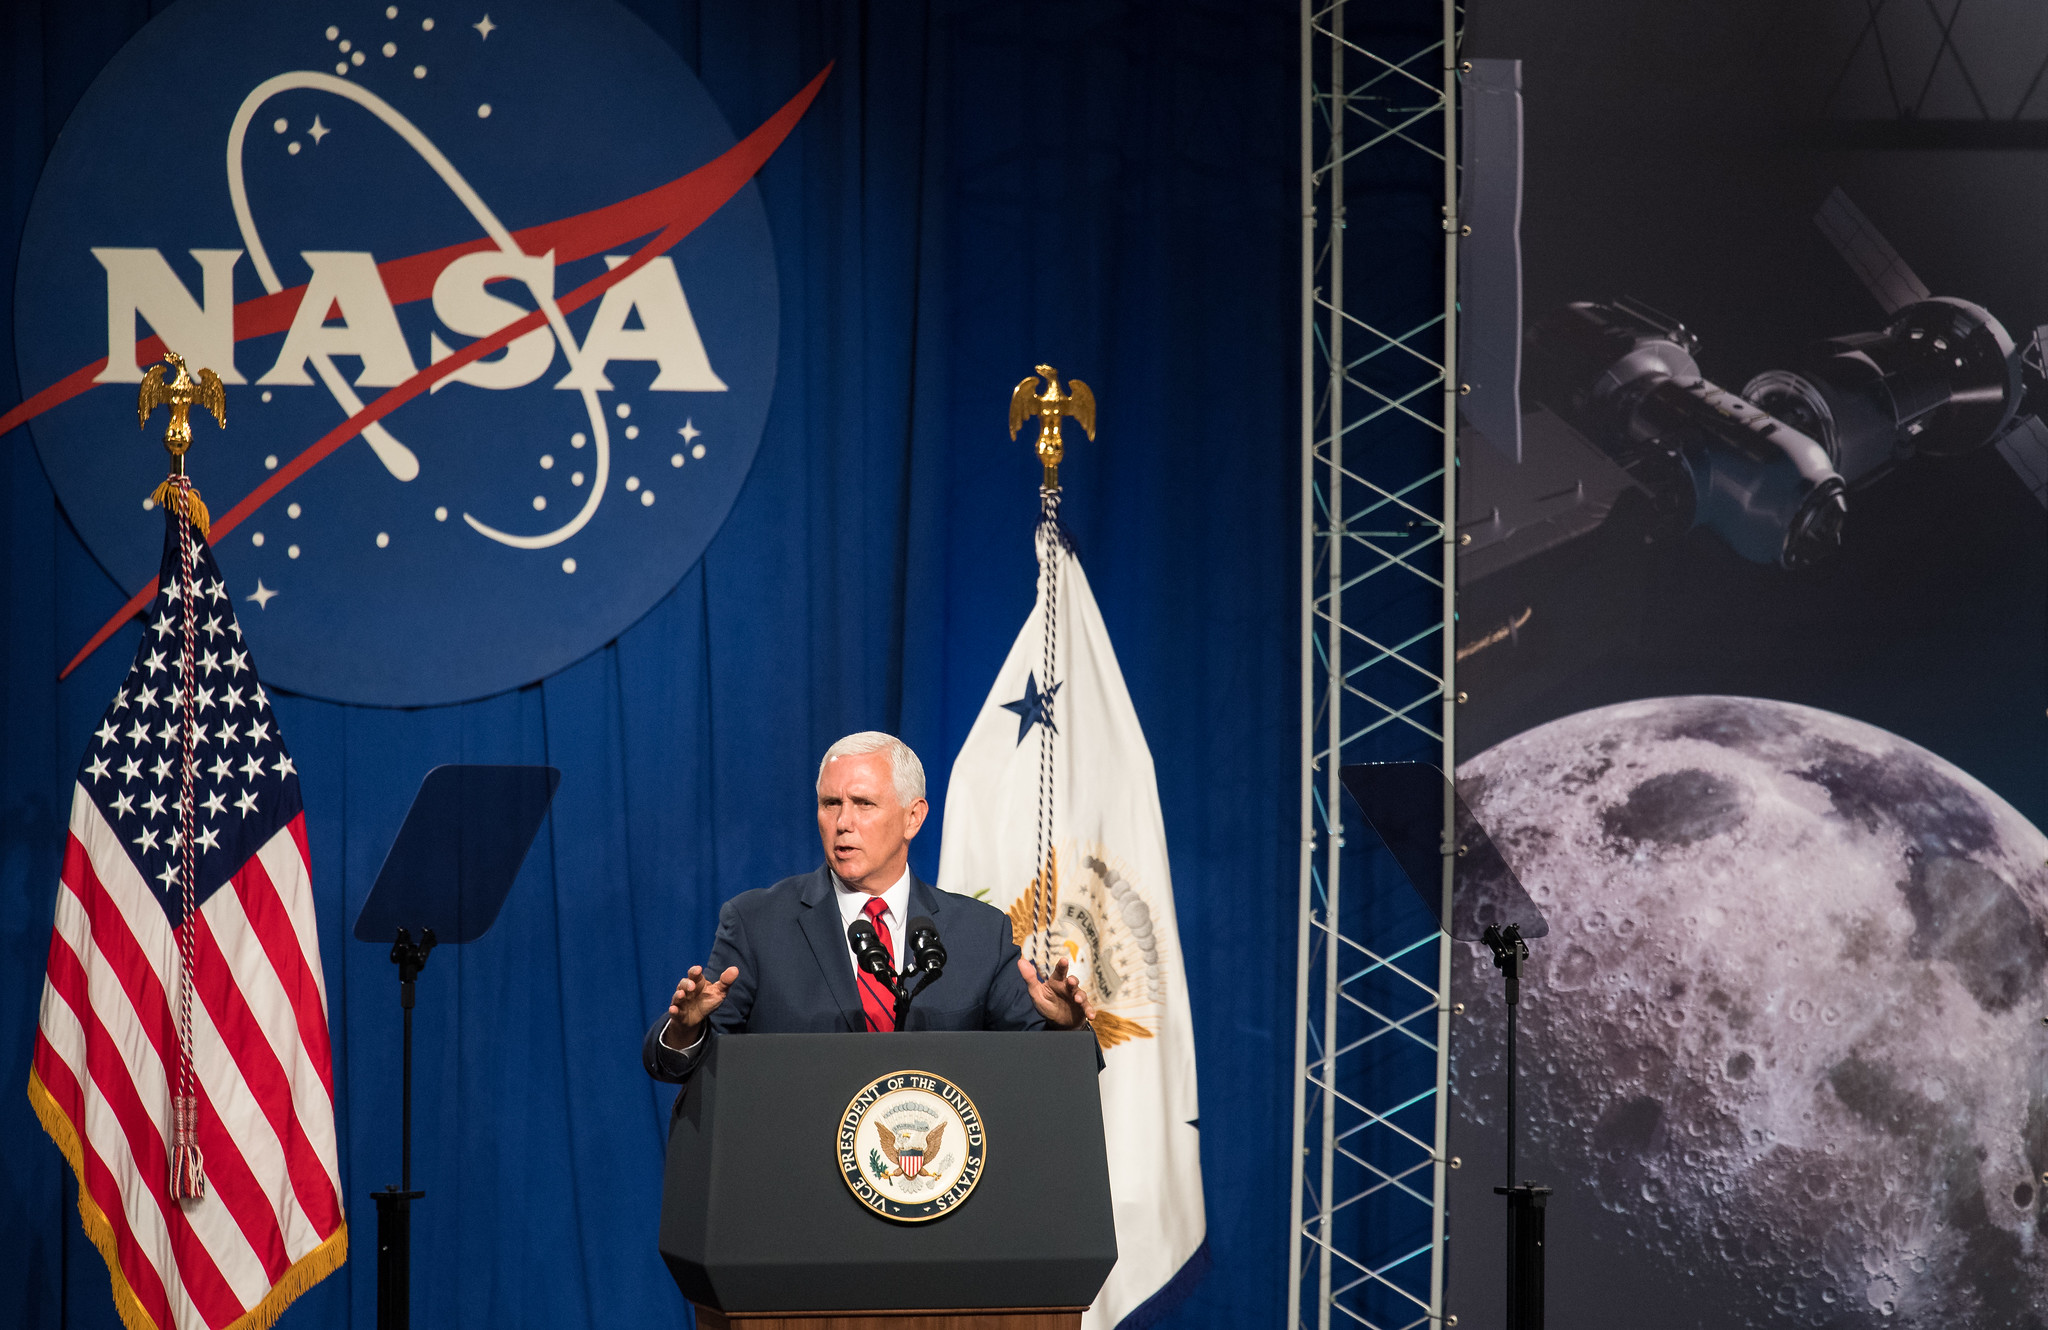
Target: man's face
865,828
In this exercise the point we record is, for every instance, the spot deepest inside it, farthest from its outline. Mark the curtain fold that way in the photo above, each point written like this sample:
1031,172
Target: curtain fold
1107,187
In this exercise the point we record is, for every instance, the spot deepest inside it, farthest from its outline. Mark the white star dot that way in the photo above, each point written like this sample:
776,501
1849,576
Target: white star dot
383,539
292,148
391,11
344,47
440,514
568,565
293,511
697,452
632,431
270,462
262,596
484,112
341,67
333,32
356,59
675,459
256,539
291,551
390,49
632,483
647,498
280,125
426,25
419,71
622,410
540,503
149,505
689,431
547,461
485,27
576,478
577,440
320,131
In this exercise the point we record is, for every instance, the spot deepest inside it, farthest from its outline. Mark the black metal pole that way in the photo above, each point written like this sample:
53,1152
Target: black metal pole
1525,1199
1514,1121
405,1113
394,1204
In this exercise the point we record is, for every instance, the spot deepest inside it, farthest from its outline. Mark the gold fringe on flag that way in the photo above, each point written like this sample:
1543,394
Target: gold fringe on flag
307,1271
169,495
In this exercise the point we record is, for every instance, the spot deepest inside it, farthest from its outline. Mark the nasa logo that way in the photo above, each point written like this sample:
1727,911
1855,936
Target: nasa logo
493,298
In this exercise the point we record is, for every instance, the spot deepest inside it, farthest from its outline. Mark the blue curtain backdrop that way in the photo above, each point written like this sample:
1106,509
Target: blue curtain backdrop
1107,187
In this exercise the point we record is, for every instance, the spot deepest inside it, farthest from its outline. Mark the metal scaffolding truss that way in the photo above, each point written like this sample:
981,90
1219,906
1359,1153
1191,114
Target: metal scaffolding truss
1378,502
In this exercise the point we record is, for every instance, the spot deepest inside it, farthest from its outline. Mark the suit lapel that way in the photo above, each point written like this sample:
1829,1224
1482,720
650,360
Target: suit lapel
924,899
819,918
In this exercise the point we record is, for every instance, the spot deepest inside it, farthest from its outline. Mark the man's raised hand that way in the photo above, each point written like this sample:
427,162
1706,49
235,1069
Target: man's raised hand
695,999
1061,1000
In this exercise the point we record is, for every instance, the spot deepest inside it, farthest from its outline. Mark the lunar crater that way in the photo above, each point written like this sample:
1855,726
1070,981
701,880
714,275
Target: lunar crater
1807,1074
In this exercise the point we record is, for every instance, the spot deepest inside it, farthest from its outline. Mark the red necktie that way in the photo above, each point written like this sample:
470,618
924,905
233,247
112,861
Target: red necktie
875,998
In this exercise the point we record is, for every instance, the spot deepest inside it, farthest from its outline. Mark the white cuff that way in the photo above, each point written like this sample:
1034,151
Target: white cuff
663,1040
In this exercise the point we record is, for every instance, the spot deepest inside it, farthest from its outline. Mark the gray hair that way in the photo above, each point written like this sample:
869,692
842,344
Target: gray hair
905,771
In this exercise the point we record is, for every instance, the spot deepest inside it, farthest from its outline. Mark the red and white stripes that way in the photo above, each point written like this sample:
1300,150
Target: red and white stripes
271,1222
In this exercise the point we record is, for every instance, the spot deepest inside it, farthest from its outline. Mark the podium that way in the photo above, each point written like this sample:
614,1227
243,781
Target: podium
762,1231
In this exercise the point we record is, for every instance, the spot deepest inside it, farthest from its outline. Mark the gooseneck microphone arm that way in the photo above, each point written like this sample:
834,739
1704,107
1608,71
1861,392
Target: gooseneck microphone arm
927,957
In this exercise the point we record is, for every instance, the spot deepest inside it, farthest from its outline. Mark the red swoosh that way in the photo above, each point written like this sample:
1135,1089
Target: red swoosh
678,208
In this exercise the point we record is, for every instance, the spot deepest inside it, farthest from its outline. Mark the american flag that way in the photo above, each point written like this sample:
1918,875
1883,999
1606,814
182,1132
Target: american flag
266,1222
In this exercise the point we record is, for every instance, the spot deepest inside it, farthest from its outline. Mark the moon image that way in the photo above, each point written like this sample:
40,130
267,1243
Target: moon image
1782,1051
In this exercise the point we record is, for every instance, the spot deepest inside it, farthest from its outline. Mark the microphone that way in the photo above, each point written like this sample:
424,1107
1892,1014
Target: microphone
927,953
868,951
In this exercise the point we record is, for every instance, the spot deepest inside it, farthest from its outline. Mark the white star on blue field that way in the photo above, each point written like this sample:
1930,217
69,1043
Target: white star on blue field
1034,708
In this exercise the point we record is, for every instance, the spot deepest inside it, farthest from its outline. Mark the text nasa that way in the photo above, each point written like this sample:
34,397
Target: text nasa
849,1130
141,283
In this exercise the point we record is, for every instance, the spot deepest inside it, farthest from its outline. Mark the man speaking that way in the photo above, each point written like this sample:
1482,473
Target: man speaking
782,964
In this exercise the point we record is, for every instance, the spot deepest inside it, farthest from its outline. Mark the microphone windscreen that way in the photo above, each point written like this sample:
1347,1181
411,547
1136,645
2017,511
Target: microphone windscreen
922,923
861,934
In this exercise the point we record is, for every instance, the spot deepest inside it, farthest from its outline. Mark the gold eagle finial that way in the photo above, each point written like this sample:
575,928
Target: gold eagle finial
1049,406
181,394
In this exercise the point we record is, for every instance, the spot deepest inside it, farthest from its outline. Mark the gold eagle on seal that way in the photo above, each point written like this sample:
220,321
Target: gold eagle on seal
896,1144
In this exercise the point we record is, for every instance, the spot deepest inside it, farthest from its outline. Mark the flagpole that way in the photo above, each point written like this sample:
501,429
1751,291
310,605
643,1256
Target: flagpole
184,511
1051,407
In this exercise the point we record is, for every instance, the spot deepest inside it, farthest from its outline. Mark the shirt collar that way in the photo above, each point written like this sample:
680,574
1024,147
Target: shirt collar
896,899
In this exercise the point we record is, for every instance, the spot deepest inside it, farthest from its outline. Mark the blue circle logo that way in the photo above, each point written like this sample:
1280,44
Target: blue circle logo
494,301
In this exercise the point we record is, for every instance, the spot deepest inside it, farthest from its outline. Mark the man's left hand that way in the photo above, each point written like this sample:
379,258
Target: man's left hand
1061,999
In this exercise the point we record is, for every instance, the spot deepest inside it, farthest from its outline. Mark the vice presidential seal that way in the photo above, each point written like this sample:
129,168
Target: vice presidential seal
911,1146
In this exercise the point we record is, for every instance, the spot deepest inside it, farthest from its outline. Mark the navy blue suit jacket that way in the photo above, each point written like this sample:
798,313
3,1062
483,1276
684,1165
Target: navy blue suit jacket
796,970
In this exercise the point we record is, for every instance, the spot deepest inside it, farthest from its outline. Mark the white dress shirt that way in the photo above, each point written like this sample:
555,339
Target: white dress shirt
853,904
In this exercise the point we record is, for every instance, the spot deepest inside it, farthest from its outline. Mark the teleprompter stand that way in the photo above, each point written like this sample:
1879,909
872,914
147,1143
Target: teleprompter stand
1410,807
443,881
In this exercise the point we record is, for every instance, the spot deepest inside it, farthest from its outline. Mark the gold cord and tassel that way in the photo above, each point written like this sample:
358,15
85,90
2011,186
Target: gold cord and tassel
187,1180
186,500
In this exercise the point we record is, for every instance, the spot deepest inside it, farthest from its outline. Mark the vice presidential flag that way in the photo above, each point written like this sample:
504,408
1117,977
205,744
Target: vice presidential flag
184,926
1056,771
